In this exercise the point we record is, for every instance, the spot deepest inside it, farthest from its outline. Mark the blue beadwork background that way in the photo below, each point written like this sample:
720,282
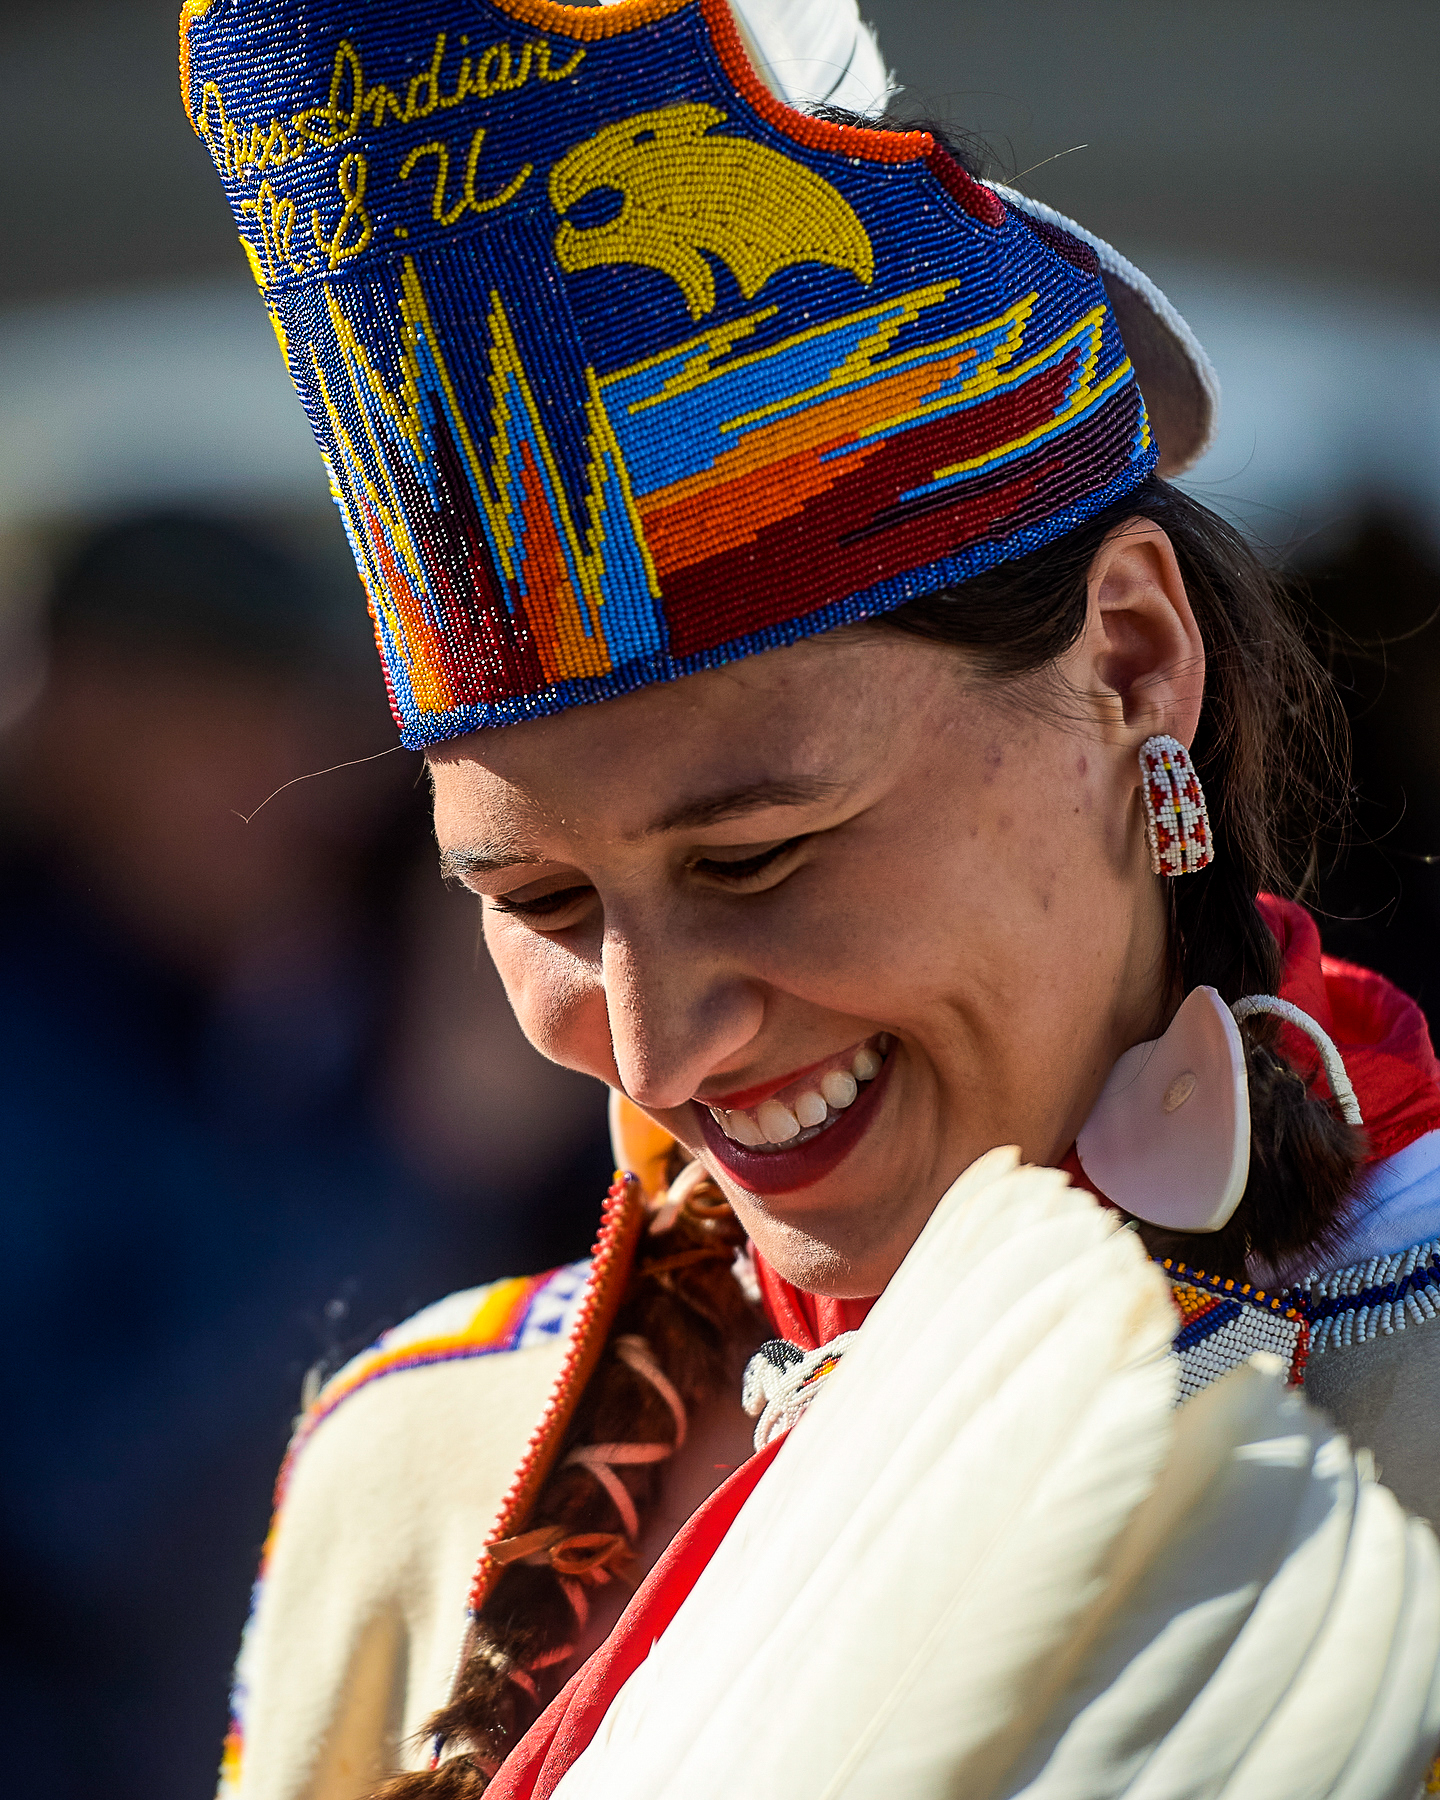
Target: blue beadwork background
429,335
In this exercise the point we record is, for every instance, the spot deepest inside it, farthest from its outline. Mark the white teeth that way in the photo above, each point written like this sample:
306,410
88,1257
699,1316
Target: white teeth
839,1088
742,1128
777,1122
810,1110
772,1122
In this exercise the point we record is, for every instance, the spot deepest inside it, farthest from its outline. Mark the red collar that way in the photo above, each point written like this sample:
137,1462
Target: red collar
1380,1032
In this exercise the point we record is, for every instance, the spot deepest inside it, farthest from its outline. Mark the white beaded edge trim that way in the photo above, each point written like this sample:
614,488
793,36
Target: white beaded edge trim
1382,1318
1334,1063
1164,309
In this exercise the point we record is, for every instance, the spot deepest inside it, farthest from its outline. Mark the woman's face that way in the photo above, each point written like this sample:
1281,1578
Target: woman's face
843,916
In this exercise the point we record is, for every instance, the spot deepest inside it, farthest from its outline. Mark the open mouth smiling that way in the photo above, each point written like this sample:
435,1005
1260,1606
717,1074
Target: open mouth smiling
777,1137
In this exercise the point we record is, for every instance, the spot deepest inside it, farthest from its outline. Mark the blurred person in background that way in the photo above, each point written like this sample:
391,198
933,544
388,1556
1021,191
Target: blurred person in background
226,1157
1377,601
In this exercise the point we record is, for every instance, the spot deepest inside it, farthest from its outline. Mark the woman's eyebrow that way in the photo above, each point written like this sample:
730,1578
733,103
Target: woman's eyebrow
484,861
734,804
489,859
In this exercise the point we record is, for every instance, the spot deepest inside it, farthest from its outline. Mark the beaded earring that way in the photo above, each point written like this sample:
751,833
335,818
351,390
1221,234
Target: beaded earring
1176,822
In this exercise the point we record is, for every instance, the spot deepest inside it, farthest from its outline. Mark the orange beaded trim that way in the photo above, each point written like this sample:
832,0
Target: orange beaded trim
1242,1290
588,24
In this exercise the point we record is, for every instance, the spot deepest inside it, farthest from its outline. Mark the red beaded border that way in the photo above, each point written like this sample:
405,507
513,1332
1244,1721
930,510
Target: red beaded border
1257,1297
621,1222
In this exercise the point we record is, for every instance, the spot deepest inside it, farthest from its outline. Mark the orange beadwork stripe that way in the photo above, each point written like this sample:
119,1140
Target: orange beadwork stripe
814,134
845,140
621,1223
590,24
497,1319
1226,1284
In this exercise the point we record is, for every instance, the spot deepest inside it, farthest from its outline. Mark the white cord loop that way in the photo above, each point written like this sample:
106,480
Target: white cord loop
1334,1063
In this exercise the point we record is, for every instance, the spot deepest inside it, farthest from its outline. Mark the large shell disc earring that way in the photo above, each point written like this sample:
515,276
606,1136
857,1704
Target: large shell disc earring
1176,822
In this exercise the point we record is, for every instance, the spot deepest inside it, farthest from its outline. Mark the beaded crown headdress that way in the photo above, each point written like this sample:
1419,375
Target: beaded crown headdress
622,368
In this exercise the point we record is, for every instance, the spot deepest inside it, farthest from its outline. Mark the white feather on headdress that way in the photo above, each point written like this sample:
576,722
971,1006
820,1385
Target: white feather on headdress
815,53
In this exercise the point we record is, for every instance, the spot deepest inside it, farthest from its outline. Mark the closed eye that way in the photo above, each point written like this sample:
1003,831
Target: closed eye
544,906
738,870
563,907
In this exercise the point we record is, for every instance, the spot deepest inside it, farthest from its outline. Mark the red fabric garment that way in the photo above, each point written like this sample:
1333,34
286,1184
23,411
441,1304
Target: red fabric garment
533,1768
1380,1032
808,1320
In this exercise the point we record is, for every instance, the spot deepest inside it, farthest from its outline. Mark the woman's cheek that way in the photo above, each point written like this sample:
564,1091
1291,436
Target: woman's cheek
556,996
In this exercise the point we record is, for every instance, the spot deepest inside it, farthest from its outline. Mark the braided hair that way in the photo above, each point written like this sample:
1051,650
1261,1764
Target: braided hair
668,1351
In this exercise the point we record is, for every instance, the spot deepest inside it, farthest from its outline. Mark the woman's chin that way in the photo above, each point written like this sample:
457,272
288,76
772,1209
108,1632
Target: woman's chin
829,1214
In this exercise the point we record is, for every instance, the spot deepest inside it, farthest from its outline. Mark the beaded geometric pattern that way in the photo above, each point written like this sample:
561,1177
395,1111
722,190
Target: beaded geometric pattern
1176,821
1223,1322
1376,1298
514,1314
620,368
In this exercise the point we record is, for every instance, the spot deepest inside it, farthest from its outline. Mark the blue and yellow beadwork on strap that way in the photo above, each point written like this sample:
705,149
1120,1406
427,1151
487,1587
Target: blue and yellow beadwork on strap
620,368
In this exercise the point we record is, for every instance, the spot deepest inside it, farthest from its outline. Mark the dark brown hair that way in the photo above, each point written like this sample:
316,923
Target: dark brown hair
1272,752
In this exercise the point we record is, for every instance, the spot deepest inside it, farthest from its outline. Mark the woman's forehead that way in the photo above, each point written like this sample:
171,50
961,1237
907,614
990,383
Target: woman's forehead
793,727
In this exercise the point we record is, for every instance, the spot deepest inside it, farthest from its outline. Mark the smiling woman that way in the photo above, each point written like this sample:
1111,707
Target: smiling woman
879,812
880,778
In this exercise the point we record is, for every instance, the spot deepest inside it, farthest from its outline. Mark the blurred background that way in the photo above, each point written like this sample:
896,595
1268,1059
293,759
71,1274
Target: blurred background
259,1092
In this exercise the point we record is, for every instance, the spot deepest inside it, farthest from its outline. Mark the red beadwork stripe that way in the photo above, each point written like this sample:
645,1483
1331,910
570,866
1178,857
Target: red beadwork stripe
799,564
978,200
1226,1286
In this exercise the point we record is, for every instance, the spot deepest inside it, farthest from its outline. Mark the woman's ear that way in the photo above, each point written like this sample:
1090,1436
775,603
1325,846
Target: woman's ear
1141,650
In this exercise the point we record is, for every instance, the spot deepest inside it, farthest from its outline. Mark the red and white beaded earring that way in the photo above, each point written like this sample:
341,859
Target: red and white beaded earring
1176,822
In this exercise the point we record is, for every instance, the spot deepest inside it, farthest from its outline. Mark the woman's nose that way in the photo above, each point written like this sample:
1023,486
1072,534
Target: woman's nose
675,1015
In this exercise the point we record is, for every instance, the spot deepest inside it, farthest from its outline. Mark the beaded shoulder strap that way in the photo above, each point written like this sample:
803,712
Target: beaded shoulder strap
1223,1322
1375,1298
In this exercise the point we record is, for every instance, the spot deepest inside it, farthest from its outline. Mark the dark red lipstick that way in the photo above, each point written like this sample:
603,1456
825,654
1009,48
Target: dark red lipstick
782,1170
